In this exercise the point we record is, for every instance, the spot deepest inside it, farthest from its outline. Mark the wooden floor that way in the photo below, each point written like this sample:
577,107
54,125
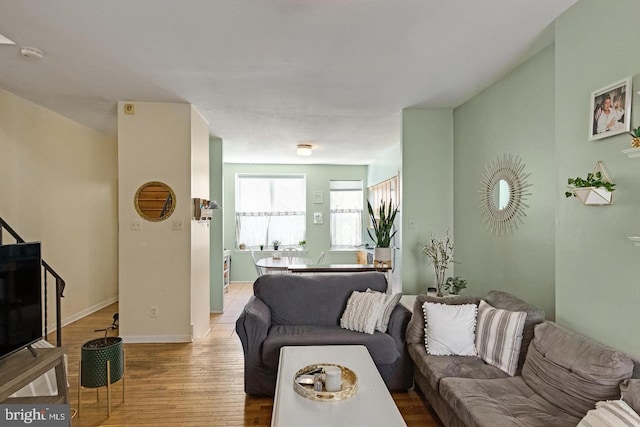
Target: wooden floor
194,384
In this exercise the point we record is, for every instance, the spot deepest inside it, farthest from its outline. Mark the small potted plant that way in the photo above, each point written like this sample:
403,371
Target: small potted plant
276,244
302,243
454,285
261,247
596,189
383,231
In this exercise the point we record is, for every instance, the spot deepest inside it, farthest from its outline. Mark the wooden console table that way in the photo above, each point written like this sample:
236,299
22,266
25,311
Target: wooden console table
19,369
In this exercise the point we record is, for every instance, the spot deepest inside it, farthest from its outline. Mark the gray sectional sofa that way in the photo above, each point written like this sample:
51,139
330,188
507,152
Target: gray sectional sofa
561,375
293,309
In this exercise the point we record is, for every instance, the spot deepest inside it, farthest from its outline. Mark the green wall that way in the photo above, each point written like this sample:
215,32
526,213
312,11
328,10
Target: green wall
597,268
514,116
318,237
427,190
216,289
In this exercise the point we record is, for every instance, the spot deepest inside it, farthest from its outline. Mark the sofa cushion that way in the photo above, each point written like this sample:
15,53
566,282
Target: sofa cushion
535,315
415,329
363,311
610,413
435,368
296,299
573,371
382,347
631,393
501,402
389,305
499,336
450,329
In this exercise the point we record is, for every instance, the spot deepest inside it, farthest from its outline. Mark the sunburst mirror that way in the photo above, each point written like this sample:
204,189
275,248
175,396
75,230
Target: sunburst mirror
503,194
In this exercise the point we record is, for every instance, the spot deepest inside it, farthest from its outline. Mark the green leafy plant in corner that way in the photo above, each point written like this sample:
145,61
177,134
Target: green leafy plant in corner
593,180
454,285
383,224
275,244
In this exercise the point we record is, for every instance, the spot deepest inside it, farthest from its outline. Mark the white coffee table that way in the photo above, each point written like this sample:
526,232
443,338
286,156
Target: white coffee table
371,405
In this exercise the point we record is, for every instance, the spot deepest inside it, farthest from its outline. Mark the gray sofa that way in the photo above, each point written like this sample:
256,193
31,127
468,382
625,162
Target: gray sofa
561,375
291,309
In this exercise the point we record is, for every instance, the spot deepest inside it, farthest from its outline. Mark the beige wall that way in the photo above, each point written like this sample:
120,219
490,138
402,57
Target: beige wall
58,185
200,269
155,144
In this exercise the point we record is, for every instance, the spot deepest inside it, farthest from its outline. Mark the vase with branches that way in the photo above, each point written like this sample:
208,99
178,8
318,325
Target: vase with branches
439,252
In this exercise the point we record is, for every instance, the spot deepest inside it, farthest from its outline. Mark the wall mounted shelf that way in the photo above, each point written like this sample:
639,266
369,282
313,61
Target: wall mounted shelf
632,152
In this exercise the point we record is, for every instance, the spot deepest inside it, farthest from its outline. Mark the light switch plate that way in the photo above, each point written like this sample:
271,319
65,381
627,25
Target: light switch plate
177,224
317,217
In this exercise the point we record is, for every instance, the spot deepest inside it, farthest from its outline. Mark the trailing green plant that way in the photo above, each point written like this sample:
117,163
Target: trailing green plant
383,224
454,285
593,180
275,244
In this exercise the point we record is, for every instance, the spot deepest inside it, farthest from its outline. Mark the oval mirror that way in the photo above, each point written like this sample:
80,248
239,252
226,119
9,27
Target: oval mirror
155,201
501,194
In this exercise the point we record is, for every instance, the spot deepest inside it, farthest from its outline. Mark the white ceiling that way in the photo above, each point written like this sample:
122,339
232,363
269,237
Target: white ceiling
269,74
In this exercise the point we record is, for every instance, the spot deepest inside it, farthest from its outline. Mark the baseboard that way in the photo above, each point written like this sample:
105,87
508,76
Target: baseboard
79,315
147,339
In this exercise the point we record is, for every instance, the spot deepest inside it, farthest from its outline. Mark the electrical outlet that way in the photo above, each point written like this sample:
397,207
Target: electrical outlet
177,224
136,225
412,223
153,311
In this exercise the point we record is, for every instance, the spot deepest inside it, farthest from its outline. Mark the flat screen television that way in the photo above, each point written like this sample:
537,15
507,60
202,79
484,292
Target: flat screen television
21,320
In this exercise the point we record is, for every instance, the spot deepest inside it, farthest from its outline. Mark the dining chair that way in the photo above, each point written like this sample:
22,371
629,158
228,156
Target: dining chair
259,270
320,259
290,252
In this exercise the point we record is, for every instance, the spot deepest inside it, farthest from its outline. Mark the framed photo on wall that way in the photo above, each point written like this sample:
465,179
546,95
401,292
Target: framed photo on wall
610,110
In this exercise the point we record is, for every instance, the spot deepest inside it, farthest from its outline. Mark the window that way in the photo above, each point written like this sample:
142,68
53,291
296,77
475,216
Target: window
345,203
270,207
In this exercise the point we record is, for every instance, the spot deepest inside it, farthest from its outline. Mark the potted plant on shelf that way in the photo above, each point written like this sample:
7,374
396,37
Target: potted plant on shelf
276,244
596,189
439,252
454,285
383,231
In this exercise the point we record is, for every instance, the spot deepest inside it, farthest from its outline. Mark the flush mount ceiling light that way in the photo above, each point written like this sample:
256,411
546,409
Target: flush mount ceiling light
304,150
31,52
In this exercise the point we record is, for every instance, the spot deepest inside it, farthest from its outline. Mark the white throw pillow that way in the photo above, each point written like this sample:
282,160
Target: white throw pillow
363,311
389,304
450,329
499,336
610,413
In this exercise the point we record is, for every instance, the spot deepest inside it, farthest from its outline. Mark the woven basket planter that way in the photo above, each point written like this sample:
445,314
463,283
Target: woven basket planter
94,356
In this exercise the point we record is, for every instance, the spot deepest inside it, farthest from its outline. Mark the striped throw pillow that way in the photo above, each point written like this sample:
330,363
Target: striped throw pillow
363,311
499,336
610,413
389,305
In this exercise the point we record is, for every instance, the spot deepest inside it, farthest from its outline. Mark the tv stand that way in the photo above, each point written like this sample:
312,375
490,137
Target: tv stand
19,369
33,351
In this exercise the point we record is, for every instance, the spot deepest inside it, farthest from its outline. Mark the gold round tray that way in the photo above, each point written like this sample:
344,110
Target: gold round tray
348,389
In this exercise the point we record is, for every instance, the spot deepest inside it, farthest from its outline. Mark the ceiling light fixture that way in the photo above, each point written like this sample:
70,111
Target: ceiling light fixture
304,150
31,52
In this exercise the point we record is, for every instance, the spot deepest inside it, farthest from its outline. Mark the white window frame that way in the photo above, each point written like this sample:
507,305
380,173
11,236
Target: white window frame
336,186
269,213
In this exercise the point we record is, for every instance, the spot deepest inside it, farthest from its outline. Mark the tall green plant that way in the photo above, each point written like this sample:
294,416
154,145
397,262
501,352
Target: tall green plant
383,225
